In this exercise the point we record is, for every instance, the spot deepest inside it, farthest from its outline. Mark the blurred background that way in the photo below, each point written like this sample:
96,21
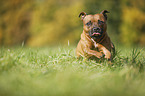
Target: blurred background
38,23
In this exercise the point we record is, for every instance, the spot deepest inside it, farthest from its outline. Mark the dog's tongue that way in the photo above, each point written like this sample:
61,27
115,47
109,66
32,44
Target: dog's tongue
96,34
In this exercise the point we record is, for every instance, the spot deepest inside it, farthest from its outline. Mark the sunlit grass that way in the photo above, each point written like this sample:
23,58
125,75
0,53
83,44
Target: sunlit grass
56,71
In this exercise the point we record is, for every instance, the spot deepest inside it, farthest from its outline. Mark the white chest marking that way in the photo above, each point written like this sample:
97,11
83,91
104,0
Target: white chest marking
95,44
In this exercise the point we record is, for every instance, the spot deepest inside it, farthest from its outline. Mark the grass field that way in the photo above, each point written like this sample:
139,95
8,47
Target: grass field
55,71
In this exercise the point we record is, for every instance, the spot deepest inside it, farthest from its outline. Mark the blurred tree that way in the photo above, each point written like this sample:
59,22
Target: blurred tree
44,22
133,22
56,22
14,21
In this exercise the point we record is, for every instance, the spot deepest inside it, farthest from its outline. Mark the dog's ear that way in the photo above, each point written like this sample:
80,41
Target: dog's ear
83,14
104,13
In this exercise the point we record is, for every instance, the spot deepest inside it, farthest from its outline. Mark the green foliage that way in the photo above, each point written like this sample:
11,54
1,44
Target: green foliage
56,71
133,22
14,21
50,22
59,23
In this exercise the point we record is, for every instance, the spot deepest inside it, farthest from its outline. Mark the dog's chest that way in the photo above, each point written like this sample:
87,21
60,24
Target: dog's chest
94,43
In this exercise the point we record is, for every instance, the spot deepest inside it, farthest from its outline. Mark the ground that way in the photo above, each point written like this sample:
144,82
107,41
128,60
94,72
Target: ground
56,71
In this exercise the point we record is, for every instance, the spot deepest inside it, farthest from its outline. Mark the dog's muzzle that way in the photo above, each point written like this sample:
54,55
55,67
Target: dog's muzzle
96,32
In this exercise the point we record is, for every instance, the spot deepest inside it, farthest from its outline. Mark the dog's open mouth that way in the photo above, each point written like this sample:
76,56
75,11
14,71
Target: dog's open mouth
96,34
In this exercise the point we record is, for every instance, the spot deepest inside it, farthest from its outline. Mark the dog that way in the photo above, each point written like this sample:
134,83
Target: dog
95,42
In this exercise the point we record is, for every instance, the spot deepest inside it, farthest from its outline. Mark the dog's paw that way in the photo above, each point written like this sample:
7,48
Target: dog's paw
103,55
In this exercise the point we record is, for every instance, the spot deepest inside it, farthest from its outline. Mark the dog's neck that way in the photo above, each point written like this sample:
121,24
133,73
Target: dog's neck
100,40
95,42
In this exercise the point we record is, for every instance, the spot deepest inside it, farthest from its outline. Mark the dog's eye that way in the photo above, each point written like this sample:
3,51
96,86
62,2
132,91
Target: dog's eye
100,22
89,23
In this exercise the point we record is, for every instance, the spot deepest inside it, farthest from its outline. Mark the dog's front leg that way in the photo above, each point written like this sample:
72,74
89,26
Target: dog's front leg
91,53
106,52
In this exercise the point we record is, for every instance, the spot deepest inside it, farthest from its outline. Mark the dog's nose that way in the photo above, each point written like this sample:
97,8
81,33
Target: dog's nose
96,29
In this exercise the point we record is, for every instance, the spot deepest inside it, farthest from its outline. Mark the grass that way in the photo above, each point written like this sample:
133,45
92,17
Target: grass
56,72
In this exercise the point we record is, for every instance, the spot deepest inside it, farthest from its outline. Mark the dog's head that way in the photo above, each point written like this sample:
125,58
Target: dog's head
94,25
